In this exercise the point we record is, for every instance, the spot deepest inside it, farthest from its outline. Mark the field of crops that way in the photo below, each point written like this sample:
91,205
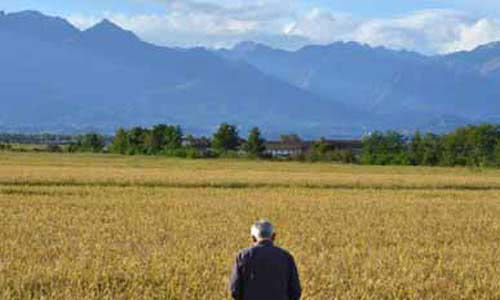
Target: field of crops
115,227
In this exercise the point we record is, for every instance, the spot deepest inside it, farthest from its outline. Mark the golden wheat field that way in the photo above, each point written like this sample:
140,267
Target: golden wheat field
116,227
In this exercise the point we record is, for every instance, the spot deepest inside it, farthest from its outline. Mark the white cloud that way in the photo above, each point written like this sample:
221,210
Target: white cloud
190,23
223,23
480,32
430,31
322,26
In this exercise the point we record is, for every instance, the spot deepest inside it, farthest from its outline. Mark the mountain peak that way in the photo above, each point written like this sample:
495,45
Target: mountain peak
29,13
249,46
35,24
107,25
109,30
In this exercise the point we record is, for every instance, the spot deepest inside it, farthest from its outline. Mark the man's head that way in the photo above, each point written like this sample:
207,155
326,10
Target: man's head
262,230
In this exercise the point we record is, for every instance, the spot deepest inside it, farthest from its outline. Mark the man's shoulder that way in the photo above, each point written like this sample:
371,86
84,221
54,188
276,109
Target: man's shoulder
247,252
286,253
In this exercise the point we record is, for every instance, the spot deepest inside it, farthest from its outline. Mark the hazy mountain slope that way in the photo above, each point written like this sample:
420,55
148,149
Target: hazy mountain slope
106,77
394,83
484,60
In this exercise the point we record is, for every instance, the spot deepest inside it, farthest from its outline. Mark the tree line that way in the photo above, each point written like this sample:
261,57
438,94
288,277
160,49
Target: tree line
466,146
169,140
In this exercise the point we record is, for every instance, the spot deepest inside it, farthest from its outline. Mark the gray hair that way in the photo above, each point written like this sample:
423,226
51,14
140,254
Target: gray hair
262,229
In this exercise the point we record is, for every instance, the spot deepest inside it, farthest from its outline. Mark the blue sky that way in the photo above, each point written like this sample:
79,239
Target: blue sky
428,26
384,8
91,7
365,8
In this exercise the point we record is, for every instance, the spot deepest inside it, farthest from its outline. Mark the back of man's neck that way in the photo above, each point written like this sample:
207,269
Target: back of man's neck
264,242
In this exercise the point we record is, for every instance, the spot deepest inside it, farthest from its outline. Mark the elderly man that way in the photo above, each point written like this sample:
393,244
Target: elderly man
264,271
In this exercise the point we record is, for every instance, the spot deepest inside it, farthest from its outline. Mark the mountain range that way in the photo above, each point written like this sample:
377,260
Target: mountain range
55,77
405,88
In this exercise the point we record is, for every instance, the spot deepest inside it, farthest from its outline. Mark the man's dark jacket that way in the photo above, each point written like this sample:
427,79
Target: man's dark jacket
265,272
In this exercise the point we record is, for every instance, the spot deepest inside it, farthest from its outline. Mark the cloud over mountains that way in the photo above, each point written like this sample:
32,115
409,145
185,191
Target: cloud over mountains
285,24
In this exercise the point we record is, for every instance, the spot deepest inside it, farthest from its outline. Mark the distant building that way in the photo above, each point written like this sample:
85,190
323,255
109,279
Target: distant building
286,149
201,144
296,148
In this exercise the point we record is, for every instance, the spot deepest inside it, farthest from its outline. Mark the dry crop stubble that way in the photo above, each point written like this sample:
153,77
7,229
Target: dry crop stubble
106,227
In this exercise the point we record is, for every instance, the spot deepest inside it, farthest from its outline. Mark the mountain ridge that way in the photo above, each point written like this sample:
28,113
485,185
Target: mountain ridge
106,77
384,80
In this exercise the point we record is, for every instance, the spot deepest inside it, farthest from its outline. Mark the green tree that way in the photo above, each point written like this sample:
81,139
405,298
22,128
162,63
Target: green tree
138,140
432,150
255,144
416,149
173,137
92,142
370,148
226,138
450,155
485,140
156,142
165,137
384,149
470,145
120,143
497,153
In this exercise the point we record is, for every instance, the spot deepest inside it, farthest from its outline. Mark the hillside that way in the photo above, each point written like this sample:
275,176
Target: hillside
406,87
57,77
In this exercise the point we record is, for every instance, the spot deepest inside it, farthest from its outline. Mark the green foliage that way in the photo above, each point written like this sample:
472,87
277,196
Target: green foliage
323,151
255,145
472,146
226,138
385,149
497,153
475,146
4,147
137,138
416,151
90,142
120,143
140,140
164,137
432,150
